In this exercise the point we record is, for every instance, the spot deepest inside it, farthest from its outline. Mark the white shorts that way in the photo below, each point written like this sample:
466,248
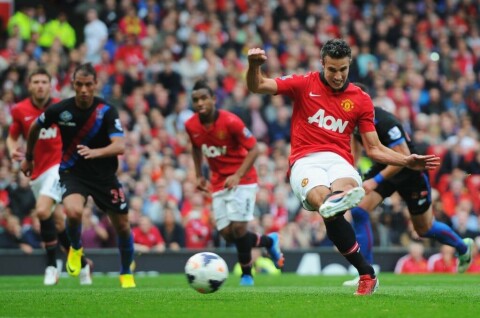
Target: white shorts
48,184
234,205
318,169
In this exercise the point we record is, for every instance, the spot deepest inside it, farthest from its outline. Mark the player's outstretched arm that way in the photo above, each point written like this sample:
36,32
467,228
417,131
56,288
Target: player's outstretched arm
382,154
256,82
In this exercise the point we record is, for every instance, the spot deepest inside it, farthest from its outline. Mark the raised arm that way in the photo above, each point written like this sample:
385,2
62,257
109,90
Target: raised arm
256,82
385,155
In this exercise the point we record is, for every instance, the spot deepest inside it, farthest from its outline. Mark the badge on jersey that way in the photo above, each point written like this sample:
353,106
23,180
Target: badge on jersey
247,133
118,125
286,77
395,133
66,116
347,105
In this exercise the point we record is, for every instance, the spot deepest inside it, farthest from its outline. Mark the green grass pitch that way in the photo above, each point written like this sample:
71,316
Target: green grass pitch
287,295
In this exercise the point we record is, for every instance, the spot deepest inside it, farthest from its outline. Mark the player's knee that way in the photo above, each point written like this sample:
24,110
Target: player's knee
239,229
43,213
74,212
227,234
421,229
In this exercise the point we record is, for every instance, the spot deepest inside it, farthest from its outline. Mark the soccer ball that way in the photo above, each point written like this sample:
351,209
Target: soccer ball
206,272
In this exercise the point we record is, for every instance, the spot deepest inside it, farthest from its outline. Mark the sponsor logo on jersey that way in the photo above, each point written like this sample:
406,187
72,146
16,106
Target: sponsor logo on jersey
327,122
48,133
347,105
212,151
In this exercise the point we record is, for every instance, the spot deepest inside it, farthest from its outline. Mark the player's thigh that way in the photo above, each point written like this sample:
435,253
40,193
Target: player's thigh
308,173
417,193
341,174
370,201
47,184
235,205
109,196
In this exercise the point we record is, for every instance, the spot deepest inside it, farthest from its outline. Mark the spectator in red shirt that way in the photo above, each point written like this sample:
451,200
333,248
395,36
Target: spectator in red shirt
147,237
443,262
414,262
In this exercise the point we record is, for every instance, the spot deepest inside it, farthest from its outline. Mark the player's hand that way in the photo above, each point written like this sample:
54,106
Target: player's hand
87,152
17,155
202,185
231,182
427,162
256,56
26,167
369,185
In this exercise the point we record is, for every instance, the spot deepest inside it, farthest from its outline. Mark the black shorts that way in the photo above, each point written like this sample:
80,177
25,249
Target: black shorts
108,195
413,186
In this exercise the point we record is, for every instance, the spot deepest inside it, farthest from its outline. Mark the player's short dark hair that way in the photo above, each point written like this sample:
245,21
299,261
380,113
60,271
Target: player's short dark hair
202,84
336,48
85,69
40,71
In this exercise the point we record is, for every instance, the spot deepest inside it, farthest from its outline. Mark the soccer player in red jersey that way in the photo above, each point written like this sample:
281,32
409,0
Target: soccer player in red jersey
230,149
44,177
327,109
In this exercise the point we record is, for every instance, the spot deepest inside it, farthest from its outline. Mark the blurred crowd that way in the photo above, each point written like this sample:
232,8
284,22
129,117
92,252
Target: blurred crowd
419,59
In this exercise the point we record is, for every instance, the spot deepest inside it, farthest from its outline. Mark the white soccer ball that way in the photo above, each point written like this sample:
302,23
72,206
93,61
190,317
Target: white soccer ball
206,272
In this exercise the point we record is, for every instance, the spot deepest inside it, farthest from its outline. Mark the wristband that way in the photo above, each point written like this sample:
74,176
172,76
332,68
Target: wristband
378,178
29,157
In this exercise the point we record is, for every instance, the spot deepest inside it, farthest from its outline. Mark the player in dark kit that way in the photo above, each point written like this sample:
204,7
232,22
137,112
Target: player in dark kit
326,110
382,181
230,149
44,178
92,137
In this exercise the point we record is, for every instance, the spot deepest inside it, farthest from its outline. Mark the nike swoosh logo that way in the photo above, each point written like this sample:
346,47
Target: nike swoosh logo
421,201
69,269
28,117
314,95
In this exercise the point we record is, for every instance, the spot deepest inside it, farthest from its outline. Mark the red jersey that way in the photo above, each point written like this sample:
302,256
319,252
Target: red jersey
324,120
408,265
225,144
150,239
48,150
436,264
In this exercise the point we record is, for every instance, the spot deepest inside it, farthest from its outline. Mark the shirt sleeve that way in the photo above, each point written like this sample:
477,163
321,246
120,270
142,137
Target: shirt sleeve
114,125
241,133
15,128
290,84
46,119
367,115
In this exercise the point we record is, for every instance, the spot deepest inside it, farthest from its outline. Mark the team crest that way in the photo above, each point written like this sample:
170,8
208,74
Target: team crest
347,105
66,116
304,182
221,134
